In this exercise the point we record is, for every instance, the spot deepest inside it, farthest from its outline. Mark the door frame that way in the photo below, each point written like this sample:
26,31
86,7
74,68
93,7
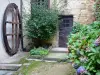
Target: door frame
60,18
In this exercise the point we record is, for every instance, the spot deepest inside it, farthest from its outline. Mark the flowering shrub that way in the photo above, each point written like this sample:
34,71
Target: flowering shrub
83,50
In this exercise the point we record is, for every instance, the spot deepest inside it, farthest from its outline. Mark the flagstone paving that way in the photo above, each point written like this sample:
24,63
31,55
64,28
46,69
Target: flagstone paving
47,68
54,69
8,66
14,58
5,72
58,53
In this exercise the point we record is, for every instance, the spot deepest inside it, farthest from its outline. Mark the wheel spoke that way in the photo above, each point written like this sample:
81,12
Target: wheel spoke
13,31
12,45
12,22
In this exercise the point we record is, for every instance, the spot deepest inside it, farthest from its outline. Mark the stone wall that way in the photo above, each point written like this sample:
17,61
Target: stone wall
82,10
26,8
4,3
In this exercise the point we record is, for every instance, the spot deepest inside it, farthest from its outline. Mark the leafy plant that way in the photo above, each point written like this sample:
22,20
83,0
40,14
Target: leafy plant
93,62
39,51
77,27
82,48
97,9
42,23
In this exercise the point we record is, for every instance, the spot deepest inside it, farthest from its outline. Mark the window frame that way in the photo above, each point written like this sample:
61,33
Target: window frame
47,4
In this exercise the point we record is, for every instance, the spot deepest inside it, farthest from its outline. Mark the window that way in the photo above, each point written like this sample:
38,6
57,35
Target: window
45,3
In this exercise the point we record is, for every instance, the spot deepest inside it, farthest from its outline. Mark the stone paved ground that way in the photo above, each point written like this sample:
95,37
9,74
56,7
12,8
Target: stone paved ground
14,58
6,66
4,72
54,69
49,68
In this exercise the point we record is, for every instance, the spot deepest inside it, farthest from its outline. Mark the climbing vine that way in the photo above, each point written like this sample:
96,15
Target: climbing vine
97,10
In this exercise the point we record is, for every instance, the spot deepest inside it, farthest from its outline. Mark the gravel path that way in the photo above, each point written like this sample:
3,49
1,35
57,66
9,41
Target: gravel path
54,69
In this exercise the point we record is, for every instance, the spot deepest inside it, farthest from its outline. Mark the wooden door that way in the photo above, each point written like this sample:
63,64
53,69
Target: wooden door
65,27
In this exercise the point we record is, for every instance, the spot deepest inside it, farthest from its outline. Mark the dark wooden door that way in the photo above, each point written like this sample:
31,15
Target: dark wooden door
65,27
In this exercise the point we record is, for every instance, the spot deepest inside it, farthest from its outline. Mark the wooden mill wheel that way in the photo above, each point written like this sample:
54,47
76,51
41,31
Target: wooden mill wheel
12,29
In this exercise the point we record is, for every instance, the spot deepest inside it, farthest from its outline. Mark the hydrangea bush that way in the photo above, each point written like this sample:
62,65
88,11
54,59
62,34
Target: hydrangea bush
83,49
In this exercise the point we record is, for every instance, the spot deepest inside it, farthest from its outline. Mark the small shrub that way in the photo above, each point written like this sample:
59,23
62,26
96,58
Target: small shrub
42,23
39,51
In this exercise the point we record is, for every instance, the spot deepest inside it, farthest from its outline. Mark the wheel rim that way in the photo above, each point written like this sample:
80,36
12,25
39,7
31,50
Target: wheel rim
11,29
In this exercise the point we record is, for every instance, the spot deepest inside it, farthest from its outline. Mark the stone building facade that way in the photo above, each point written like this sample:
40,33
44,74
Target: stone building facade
82,11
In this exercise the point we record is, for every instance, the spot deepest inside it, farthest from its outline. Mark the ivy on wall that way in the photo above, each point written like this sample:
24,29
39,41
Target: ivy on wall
97,10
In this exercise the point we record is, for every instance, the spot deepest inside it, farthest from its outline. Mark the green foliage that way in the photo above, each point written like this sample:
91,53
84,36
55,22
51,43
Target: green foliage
98,72
27,70
82,48
42,23
39,51
77,27
97,10
93,62
23,60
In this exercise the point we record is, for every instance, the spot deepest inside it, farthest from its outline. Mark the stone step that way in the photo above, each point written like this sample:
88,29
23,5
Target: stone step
53,57
5,72
43,60
57,55
50,55
47,59
11,67
59,50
